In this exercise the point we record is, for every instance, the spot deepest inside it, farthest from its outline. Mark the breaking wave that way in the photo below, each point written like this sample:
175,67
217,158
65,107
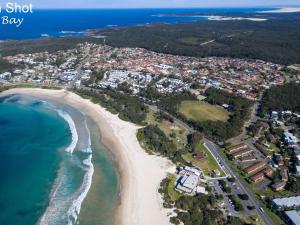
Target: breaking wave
73,130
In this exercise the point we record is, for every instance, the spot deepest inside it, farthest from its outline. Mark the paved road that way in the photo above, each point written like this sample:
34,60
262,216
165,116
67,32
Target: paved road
215,150
253,119
79,72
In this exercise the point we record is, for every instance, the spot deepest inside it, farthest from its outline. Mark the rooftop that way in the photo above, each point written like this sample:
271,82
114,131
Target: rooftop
287,202
294,216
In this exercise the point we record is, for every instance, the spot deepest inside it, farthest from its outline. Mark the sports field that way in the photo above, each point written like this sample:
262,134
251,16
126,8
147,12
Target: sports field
202,111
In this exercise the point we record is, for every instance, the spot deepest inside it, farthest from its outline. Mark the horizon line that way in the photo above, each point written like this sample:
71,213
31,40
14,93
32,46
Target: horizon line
188,7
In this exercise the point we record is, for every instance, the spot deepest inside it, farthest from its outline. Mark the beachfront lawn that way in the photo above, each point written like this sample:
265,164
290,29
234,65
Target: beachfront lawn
207,165
202,111
174,132
174,195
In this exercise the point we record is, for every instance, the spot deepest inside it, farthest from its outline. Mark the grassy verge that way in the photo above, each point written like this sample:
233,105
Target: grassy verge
207,165
174,195
172,130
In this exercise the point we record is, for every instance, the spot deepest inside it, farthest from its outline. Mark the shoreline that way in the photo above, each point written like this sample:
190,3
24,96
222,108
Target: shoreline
89,32
140,202
282,10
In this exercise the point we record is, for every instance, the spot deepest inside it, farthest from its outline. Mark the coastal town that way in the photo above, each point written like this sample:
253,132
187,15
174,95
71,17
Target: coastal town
264,159
168,73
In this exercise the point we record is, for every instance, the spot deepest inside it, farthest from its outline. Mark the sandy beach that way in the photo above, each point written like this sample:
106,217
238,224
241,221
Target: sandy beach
282,10
140,173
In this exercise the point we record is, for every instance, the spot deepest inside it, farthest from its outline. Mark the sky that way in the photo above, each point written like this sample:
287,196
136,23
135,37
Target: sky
152,3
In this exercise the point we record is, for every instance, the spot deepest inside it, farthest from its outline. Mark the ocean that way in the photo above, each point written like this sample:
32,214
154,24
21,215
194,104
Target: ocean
44,23
53,166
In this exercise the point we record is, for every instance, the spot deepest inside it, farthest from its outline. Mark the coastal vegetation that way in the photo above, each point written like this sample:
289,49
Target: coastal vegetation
95,77
190,212
218,130
50,45
208,164
3,88
128,107
275,40
166,124
155,141
280,98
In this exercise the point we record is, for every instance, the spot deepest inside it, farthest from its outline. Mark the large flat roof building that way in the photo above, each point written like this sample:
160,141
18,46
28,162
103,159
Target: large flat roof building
187,183
290,202
293,217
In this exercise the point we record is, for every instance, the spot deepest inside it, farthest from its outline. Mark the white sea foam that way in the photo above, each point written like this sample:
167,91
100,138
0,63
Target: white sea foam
67,208
72,126
62,206
74,210
226,18
71,32
218,18
88,149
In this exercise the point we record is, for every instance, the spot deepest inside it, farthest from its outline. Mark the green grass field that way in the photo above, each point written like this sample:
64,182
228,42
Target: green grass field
190,40
201,111
207,165
174,195
167,127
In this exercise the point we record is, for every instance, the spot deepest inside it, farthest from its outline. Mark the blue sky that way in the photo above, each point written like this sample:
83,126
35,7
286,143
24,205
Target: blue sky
152,3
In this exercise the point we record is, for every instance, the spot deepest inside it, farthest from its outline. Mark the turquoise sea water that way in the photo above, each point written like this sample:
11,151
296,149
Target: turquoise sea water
41,183
29,139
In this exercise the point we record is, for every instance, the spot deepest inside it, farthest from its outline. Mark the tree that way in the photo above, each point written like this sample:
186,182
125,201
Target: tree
280,98
156,140
293,184
231,179
194,139
243,196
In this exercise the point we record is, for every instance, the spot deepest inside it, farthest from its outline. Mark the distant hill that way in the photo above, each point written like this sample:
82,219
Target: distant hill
43,44
276,40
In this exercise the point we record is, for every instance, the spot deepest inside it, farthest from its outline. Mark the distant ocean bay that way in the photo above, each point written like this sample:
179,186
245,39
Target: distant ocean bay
44,23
